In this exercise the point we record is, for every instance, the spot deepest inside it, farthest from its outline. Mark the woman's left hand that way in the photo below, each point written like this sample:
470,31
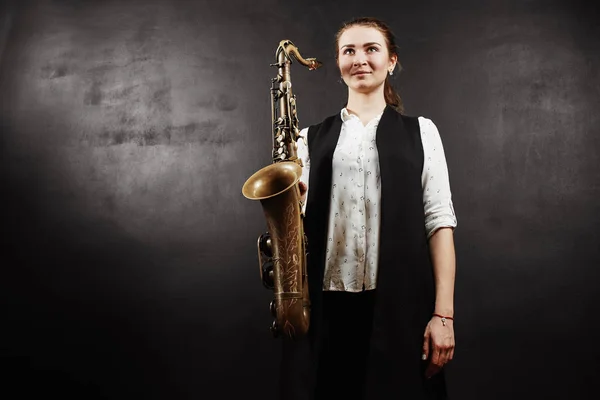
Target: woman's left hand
438,344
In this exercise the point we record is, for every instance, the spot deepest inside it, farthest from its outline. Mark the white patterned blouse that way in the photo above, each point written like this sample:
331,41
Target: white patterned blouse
353,228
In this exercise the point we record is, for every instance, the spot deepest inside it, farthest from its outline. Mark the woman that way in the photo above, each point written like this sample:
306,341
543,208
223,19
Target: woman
379,221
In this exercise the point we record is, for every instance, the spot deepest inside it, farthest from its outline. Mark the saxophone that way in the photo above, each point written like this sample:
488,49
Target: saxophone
282,249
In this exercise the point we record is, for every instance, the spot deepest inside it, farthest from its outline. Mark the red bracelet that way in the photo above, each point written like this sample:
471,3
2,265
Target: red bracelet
444,318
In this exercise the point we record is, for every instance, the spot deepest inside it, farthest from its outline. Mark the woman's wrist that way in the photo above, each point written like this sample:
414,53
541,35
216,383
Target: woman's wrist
446,310
444,318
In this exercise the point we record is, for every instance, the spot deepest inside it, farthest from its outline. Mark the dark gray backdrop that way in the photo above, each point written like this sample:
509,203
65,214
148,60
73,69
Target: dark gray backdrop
128,128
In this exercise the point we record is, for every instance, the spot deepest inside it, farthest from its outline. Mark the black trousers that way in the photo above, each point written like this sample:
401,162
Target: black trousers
347,326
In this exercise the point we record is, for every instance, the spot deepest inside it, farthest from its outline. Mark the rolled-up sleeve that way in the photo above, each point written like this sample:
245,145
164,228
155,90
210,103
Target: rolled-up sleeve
304,156
437,197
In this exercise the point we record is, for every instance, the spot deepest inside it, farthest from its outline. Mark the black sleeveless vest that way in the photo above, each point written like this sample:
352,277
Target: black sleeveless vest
405,289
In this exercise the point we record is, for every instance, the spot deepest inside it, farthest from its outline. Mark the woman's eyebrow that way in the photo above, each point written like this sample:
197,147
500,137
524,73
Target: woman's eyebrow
364,45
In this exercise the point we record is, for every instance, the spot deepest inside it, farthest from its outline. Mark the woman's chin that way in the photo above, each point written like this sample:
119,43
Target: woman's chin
363,87
364,84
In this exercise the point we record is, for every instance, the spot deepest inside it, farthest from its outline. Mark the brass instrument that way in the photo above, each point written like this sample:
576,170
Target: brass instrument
282,250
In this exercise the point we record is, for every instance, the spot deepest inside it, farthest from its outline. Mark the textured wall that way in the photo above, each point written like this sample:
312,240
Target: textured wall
128,129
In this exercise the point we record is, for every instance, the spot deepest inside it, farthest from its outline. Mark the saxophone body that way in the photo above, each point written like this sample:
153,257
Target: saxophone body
282,250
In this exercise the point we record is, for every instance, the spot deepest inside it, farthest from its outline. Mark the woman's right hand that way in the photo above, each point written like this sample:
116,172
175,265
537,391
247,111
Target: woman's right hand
303,188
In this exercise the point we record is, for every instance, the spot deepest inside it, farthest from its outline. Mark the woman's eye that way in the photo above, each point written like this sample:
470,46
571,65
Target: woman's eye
348,51
372,48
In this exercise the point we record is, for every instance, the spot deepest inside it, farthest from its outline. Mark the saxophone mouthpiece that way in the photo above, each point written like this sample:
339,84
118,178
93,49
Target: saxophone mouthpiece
314,63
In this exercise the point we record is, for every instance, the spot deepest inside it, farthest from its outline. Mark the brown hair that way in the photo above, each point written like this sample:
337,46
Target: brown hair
392,97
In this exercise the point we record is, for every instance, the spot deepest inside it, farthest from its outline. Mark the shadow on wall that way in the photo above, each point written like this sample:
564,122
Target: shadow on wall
81,299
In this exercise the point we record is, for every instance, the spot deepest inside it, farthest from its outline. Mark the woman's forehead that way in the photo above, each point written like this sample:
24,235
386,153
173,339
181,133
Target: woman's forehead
359,35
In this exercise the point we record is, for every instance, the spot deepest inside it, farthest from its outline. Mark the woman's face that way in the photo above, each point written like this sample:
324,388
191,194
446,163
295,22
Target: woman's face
363,58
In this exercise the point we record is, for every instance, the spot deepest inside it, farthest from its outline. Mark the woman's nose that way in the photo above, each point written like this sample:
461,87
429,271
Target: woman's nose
359,60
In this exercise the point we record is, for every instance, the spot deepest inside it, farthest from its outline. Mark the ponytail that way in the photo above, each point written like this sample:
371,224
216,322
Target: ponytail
392,98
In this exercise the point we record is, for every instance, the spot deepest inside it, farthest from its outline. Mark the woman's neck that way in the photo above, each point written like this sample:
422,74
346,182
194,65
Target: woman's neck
365,106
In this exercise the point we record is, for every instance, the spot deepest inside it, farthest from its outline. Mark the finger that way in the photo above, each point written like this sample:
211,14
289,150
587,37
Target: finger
451,351
431,370
437,356
302,187
444,357
425,345
434,365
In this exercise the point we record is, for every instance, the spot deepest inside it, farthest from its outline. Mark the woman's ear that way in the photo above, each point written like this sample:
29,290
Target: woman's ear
393,61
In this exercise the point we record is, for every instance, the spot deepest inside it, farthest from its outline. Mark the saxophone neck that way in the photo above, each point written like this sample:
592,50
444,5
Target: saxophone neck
285,125
288,49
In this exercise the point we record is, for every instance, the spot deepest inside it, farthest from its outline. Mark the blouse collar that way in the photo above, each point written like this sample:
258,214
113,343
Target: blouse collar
346,116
